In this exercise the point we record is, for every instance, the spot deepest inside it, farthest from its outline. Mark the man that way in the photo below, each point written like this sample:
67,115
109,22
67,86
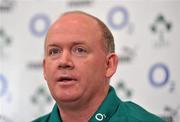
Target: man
79,62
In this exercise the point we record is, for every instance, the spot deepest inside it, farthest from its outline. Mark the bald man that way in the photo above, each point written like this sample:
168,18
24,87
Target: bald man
79,61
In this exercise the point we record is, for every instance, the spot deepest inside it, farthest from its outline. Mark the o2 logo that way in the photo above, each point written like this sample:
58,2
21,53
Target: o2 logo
159,75
100,117
3,85
39,24
118,17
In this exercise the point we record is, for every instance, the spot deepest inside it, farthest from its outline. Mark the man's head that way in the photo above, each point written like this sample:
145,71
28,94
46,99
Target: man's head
106,33
79,58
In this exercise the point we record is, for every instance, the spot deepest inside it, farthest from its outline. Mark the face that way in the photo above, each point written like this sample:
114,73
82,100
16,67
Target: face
76,65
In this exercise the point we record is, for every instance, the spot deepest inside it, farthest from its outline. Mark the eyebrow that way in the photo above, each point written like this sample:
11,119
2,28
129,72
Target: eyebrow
78,42
73,43
52,45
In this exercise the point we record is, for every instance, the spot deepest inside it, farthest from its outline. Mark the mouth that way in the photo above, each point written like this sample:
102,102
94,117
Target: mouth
65,79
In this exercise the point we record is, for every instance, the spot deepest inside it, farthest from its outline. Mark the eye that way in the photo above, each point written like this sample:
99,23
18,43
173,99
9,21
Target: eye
80,51
54,51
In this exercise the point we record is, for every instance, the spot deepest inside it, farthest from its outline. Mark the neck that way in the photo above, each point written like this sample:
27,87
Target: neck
79,111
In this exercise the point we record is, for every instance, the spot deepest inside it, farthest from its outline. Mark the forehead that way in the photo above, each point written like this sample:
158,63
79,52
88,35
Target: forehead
75,22
77,25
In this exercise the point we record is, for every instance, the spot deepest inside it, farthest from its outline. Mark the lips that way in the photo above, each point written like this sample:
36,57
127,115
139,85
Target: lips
66,79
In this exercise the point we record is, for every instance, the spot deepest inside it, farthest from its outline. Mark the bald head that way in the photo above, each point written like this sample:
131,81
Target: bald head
106,34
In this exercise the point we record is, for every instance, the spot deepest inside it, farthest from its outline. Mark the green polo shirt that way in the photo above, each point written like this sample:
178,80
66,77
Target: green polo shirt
111,110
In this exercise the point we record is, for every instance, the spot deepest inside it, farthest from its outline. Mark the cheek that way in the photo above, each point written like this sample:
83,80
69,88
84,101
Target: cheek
50,72
50,68
92,68
92,76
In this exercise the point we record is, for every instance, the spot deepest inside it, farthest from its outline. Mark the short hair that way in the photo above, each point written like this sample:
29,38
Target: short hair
108,37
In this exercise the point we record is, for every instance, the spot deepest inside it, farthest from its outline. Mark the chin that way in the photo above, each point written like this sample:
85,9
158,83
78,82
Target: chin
64,97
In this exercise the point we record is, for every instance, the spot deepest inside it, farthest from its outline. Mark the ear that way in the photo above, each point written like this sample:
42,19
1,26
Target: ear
112,62
44,69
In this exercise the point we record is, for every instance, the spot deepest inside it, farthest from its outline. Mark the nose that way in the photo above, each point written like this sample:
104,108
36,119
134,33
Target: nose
65,61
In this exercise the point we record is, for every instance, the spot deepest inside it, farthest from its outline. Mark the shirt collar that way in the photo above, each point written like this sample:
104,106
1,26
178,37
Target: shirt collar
107,108
54,117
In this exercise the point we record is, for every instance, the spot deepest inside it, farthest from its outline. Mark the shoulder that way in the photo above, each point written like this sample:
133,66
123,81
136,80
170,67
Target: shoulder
129,111
53,116
44,118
